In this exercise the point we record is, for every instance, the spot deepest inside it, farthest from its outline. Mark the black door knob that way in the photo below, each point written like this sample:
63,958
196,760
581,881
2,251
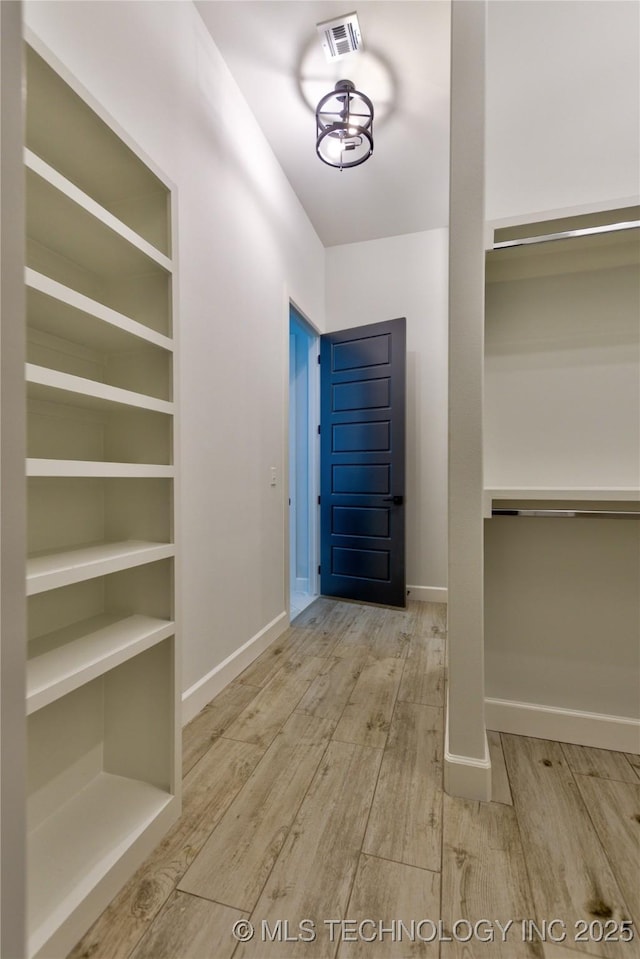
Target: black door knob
396,500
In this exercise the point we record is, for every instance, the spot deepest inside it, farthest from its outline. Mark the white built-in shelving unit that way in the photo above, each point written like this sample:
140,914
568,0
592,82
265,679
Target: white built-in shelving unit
102,684
562,464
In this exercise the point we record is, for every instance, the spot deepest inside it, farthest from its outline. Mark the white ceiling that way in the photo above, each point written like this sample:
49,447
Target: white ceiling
274,53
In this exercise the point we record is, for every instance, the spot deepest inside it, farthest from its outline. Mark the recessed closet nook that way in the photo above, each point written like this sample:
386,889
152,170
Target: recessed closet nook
562,464
101,677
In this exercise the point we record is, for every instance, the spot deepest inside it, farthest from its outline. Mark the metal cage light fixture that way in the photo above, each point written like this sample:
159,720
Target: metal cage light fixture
344,126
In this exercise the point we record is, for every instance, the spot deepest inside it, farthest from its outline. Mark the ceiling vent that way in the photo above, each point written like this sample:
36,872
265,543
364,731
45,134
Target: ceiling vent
340,36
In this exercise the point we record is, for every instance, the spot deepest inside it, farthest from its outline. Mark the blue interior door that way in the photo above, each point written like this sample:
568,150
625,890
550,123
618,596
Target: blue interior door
362,456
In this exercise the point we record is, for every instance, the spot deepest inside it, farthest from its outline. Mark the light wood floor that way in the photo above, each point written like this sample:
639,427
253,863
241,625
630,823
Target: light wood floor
313,791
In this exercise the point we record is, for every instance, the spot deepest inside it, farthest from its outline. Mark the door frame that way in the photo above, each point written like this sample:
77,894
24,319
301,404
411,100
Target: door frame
313,454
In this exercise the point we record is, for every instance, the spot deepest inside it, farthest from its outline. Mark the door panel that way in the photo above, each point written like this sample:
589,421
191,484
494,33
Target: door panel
359,437
361,395
363,379
359,521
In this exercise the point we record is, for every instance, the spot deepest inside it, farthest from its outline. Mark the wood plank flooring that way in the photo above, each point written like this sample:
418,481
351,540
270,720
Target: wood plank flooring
314,874
314,809
405,823
500,788
239,856
560,841
484,876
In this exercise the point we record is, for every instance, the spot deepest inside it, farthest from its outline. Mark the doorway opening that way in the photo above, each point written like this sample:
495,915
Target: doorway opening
303,462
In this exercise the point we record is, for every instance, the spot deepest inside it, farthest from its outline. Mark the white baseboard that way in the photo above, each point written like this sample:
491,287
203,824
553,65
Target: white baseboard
202,692
564,725
466,777
427,594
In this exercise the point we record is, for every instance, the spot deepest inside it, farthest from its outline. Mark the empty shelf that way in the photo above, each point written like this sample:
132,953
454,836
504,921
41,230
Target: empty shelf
52,385
62,311
95,232
72,850
69,657
579,494
508,497
51,570
99,469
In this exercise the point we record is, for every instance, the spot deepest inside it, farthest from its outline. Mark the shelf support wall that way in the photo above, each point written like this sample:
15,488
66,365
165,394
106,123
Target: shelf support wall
467,764
12,493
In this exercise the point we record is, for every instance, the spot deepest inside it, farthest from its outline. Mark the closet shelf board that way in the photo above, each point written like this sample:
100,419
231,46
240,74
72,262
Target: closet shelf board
72,850
68,190
89,468
69,657
74,316
51,570
580,494
53,386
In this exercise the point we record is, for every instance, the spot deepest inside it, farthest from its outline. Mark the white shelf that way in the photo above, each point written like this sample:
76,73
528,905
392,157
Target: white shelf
67,189
89,468
69,657
54,386
576,255
68,230
584,494
580,494
51,570
72,850
74,316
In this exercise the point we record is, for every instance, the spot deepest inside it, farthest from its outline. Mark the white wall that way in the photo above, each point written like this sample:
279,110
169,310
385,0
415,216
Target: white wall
562,615
245,245
563,105
12,492
467,765
407,276
562,391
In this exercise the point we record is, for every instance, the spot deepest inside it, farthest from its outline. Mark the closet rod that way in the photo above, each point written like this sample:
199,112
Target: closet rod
568,234
570,513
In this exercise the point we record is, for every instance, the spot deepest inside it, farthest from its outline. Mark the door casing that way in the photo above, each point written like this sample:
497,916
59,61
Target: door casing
311,451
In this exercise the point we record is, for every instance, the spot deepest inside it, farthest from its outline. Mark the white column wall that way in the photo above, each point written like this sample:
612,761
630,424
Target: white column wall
407,276
245,247
13,641
467,766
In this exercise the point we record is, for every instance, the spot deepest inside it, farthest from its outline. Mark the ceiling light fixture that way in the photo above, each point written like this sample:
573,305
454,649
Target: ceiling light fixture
344,126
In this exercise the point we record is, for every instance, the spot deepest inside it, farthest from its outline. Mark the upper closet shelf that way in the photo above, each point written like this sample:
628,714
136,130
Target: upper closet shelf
56,195
51,570
99,469
567,495
565,246
54,386
62,311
